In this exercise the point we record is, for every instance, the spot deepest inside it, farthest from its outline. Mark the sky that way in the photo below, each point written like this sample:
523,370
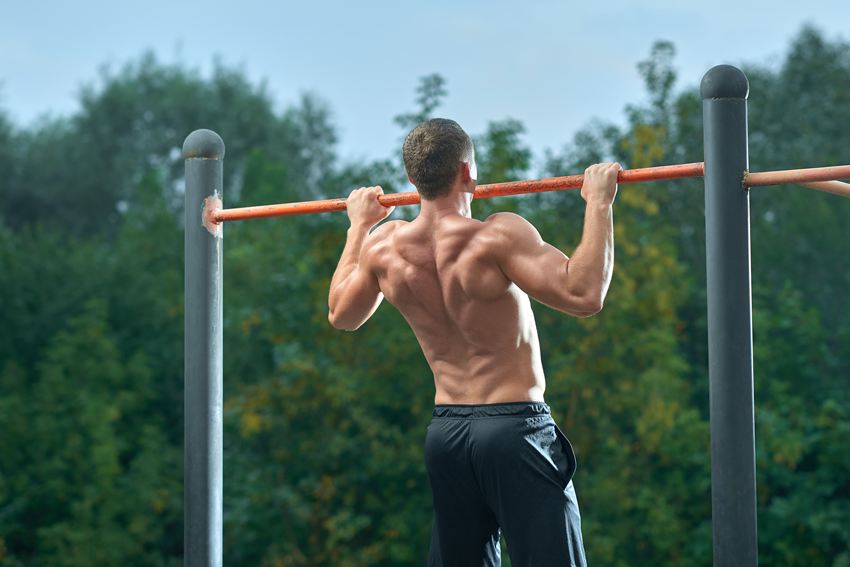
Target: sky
553,66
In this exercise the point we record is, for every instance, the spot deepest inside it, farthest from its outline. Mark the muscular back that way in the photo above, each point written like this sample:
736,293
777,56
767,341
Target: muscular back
464,285
475,326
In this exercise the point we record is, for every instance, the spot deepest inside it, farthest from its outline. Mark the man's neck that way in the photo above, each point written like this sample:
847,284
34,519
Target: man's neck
458,202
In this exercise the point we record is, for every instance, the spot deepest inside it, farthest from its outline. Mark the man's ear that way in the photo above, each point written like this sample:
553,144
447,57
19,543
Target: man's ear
469,171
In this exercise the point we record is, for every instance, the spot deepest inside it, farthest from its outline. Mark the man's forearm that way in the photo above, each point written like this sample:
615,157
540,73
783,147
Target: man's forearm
592,263
348,261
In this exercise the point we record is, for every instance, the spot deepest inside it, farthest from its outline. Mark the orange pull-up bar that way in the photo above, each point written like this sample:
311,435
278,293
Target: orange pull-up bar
821,178
481,192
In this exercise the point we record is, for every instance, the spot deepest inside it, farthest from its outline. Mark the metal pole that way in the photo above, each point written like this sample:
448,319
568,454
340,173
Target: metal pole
724,91
203,464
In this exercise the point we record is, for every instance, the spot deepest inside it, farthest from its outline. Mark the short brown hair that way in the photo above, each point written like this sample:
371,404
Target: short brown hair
433,153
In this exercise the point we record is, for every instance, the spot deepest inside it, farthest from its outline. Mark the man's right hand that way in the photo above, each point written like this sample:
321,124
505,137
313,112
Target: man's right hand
600,183
364,209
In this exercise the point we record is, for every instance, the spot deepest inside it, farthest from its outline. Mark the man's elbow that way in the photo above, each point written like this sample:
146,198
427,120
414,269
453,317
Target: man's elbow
338,323
589,308
334,320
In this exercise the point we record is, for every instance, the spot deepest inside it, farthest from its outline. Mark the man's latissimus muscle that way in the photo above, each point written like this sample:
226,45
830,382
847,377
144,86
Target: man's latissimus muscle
463,285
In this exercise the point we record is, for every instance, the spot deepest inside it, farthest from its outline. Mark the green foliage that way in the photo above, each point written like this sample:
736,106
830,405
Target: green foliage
6,151
500,155
659,77
91,410
802,423
801,271
79,173
430,91
88,472
796,119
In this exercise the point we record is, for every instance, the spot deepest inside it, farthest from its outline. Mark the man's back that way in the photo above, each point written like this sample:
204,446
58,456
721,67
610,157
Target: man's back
475,326
464,285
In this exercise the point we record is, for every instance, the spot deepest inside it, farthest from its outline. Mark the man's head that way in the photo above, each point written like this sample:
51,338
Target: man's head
433,155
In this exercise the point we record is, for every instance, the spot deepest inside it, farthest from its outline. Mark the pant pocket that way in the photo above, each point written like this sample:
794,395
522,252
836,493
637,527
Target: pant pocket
569,454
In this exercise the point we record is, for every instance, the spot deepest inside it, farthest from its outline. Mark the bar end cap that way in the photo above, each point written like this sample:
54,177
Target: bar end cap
724,81
204,144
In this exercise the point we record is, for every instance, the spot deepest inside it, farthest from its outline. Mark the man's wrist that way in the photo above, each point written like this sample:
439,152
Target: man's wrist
359,228
600,204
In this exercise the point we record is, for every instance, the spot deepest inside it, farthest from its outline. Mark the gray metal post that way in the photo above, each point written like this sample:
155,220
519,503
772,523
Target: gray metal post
724,91
203,463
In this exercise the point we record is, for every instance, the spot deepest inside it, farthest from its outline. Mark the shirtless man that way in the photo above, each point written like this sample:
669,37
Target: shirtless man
494,456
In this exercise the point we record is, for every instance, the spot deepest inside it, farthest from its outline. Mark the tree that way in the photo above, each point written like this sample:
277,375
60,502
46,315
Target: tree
499,154
88,477
430,92
6,152
80,173
92,403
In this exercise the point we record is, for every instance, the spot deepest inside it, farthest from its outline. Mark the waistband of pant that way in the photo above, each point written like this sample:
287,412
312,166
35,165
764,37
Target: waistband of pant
508,409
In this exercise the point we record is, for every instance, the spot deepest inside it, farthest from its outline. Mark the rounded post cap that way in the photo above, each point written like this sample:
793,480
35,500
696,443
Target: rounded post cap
204,144
724,81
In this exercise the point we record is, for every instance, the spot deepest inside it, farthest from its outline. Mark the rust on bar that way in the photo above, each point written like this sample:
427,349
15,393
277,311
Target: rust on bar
481,192
796,176
212,205
285,210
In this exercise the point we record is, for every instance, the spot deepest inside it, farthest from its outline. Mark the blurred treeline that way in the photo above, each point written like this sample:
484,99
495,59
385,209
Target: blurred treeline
324,429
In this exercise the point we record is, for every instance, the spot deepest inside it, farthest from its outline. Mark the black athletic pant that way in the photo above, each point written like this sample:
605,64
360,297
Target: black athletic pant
502,466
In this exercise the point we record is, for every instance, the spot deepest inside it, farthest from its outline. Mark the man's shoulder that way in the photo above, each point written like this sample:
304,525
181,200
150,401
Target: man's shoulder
384,230
502,225
507,234
505,219
495,234
382,235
